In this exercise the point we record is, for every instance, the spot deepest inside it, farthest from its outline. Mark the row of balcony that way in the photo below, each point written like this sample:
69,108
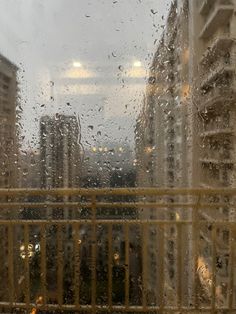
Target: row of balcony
218,18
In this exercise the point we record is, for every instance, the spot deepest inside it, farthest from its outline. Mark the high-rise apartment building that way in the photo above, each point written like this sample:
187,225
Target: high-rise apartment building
212,124
213,92
8,132
161,143
60,152
60,158
185,134
8,146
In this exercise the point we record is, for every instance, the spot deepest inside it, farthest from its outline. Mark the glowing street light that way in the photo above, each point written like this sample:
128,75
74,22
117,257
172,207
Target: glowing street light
137,64
77,64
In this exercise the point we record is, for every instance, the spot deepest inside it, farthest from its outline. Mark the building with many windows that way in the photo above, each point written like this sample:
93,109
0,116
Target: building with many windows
59,152
8,131
185,135
8,145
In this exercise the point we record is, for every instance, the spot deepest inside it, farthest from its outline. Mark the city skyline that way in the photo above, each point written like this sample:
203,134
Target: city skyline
63,75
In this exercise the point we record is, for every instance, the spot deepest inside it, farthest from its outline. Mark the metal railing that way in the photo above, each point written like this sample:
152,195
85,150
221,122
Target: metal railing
120,250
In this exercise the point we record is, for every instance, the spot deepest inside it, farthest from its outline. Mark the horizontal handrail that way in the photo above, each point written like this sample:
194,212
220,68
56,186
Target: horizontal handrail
116,191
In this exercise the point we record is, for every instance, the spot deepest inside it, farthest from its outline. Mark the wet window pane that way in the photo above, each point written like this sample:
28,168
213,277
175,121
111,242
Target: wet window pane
117,156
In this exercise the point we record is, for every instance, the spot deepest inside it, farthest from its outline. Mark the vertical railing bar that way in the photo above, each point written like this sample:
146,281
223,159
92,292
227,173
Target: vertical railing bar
27,267
10,264
94,252
195,242
213,297
76,265
144,266
179,265
59,265
43,262
127,265
160,260
231,265
110,266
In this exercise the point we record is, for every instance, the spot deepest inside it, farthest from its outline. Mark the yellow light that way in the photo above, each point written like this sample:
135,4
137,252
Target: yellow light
34,311
100,149
94,149
137,64
77,64
116,256
39,300
120,149
148,149
185,90
177,216
105,149
186,55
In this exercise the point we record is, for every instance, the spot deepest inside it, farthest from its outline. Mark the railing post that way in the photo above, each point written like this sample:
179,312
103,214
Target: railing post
127,265
144,266
160,260
59,265
94,252
213,296
76,265
27,266
11,288
110,266
179,265
43,262
195,239
231,266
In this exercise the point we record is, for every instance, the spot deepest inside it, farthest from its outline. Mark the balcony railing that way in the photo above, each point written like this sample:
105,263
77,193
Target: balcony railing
117,250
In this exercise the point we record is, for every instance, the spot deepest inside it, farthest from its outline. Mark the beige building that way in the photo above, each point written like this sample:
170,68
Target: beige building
212,128
185,134
161,145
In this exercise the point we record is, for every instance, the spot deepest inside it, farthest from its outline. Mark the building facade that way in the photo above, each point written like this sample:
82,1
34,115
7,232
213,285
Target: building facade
60,152
8,148
8,131
185,134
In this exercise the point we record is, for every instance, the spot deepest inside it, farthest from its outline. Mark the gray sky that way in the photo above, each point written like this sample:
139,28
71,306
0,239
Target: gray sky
88,57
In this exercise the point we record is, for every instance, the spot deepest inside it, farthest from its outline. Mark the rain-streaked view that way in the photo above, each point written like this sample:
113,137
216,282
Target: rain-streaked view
117,147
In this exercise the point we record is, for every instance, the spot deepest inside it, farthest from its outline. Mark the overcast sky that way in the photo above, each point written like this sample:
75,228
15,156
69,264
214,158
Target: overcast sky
88,57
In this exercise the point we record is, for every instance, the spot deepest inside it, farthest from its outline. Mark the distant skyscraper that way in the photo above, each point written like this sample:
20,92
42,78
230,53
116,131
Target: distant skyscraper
59,151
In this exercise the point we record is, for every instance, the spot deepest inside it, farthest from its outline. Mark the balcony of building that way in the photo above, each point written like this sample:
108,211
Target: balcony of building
221,96
219,72
206,5
101,258
219,46
218,18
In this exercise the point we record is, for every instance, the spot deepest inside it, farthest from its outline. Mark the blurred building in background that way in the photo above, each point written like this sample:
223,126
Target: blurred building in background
185,136
59,151
8,126
107,164
60,158
8,147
